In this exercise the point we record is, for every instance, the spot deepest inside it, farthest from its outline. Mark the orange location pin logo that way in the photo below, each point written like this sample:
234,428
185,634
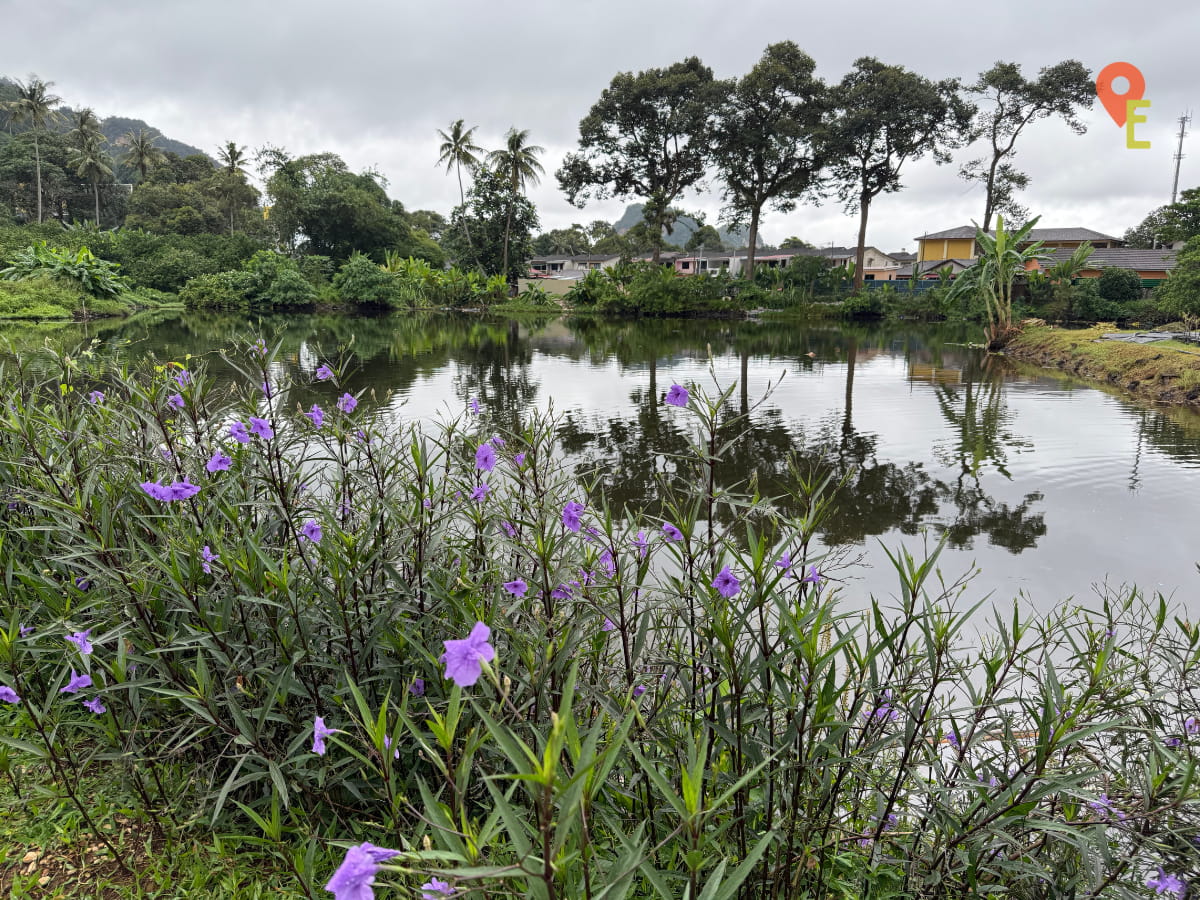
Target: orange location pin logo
1118,104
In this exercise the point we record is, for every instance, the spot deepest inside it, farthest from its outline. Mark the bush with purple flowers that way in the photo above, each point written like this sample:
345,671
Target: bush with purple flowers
534,693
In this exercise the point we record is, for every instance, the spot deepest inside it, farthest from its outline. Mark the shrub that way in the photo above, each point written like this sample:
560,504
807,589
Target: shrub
867,305
290,288
324,633
224,290
40,298
82,268
361,281
169,269
1119,285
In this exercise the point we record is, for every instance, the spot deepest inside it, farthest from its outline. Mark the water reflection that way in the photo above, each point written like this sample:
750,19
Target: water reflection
925,433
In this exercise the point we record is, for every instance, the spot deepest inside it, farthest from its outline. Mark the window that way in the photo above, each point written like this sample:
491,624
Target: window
685,265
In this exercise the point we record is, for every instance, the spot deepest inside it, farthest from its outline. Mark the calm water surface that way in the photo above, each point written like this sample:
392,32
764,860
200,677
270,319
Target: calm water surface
1047,485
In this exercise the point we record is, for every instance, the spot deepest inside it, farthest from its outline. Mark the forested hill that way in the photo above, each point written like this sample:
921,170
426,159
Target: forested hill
114,127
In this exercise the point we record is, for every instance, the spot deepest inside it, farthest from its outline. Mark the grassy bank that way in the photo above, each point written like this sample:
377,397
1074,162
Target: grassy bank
1165,372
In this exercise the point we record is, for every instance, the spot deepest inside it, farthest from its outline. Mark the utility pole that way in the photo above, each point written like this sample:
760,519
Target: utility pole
1183,123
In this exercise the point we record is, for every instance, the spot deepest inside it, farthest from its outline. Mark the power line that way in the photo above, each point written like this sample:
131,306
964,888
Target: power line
1183,123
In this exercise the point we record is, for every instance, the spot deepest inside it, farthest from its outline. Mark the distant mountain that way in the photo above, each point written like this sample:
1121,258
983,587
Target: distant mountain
685,227
114,127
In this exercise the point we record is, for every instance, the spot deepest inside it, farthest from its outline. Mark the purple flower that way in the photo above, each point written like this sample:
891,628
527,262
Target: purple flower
184,378
951,738
175,400
677,396
207,557
562,592
311,530
182,490
642,542
96,705
1192,725
265,387
156,490
608,625
607,564
261,428
219,462
463,658
497,441
82,584
509,528
320,732
317,415
570,515
427,503
346,403
76,684
417,688
238,432
324,373
813,577
672,533
519,459
435,889
8,695
1104,808
96,397
480,493
884,711
260,347
80,640
726,583
485,458
1173,742
639,690
387,745
474,406
354,878
517,587
25,630
784,563
1166,884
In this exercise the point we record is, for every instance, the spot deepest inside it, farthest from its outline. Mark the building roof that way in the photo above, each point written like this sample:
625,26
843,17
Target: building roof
1037,234
929,266
1121,258
901,256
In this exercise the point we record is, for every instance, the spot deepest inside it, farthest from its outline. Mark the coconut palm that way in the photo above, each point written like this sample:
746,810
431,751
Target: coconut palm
34,106
458,149
518,163
233,159
141,152
87,156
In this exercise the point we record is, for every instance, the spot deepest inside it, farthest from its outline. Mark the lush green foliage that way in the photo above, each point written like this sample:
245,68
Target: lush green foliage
1119,285
649,289
363,282
1181,292
1168,224
83,269
670,710
501,224
1001,261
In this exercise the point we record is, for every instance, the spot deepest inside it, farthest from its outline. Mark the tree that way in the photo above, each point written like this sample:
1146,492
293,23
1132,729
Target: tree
884,116
795,243
88,157
1013,102
518,163
234,189
1168,224
647,136
34,106
765,145
1180,294
567,241
459,149
142,153
704,238
497,219
1119,285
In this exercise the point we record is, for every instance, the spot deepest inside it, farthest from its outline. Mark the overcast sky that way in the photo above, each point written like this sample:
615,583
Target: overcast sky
373,80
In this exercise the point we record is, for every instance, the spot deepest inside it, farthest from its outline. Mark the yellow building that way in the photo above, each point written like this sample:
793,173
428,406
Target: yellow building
959,243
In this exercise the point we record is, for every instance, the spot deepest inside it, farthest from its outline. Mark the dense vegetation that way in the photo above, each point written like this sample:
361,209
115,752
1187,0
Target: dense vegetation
280,625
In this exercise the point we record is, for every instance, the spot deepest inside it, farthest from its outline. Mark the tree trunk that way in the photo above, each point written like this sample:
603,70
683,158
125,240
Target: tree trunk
507,230
462,201
745,389
96,191
749,271
989,194
37,158
864,207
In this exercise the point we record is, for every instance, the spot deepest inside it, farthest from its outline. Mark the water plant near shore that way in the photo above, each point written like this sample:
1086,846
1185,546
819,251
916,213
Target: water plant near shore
334,642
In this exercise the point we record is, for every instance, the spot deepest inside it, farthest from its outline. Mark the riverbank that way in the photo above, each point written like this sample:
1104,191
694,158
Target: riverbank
1162,372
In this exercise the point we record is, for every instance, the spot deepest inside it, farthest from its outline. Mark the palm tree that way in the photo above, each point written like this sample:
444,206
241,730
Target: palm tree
88,158
518,163
34,105
459,149
232,159
142,153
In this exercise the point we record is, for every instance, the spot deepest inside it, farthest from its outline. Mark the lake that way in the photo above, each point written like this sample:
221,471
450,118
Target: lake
1047,485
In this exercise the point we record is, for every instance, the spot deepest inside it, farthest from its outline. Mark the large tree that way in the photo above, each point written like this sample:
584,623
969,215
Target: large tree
1167,224
766,139
458,150
142,152
518,163
497,220
1010,102
235,190
34,106
647,136
883,117
88,157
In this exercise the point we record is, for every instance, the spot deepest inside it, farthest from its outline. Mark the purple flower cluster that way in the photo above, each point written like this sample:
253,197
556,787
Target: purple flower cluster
884,711
1163,883
570,515
176,490
218,462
